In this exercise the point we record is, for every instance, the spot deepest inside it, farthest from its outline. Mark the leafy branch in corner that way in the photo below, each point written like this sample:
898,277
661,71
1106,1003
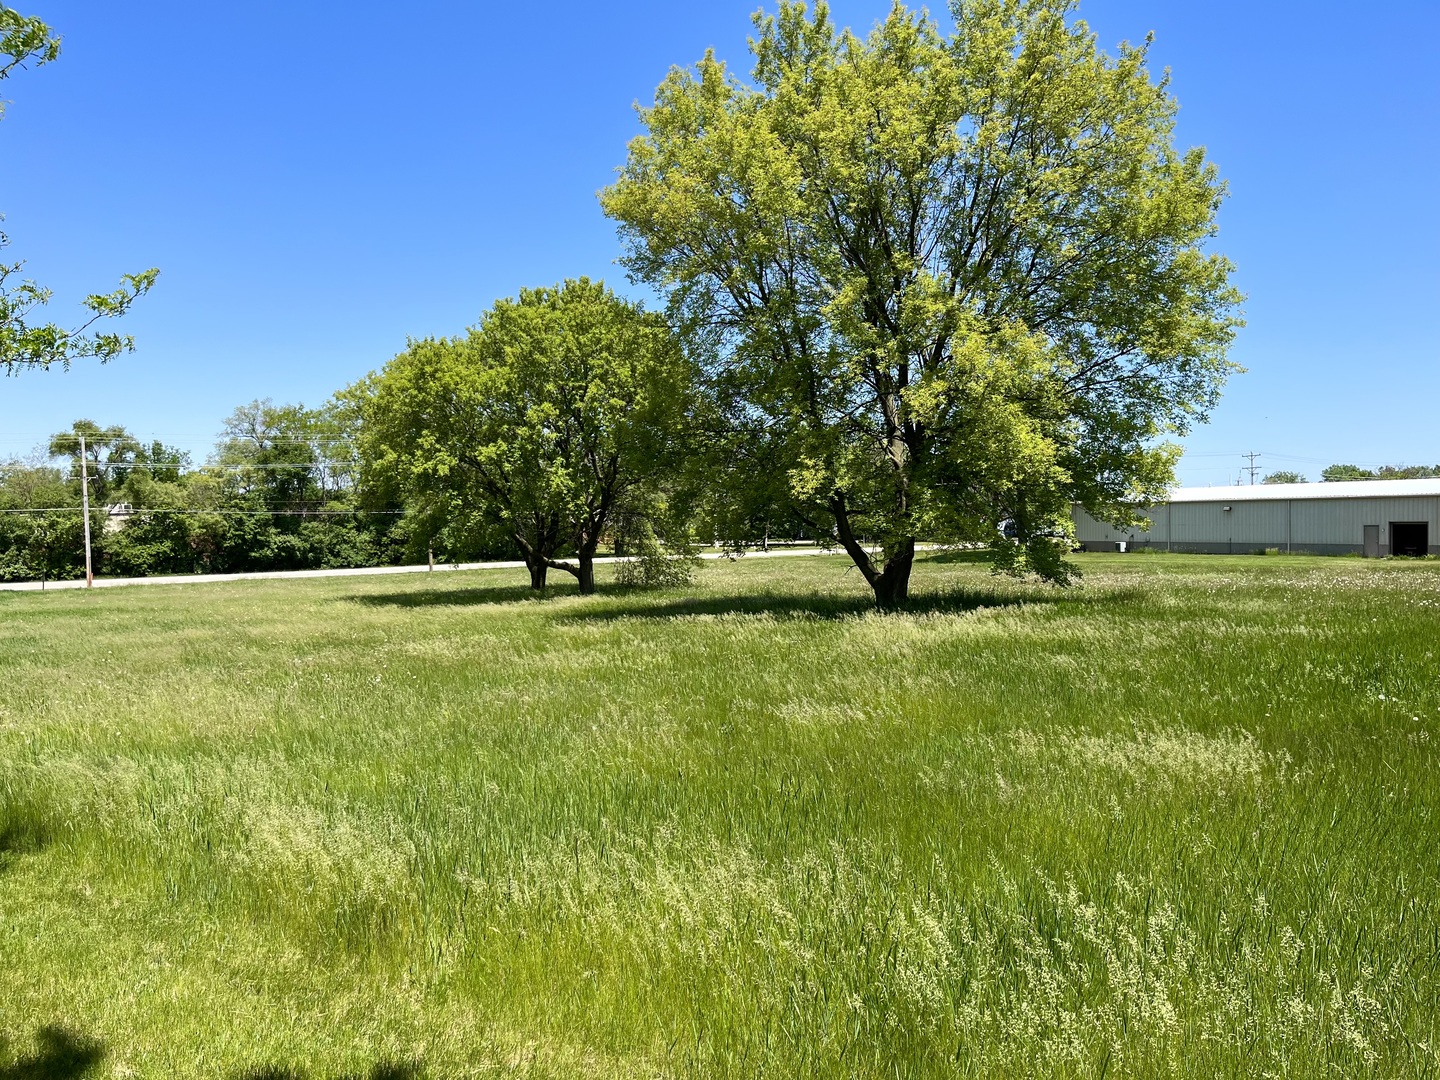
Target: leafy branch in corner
24,344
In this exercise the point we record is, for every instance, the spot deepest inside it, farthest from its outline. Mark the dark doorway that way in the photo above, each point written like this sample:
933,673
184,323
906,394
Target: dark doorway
1409,538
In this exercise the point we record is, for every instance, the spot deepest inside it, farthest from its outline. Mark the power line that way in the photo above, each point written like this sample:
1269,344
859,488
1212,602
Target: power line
1190,455
164,466
17,438
143,435
1252,468
229,513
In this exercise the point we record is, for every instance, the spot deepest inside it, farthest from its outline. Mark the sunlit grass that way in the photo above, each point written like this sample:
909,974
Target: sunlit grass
1178,820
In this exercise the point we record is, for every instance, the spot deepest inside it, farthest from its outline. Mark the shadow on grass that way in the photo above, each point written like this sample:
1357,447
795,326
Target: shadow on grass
636,603
471,597
20,836
971,556
382,1070
63,1055
798,606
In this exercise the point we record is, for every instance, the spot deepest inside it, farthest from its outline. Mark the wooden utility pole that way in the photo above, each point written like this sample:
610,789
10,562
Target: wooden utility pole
1252,468
85,509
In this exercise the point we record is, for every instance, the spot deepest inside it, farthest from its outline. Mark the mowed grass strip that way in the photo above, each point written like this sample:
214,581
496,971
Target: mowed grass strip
1180,820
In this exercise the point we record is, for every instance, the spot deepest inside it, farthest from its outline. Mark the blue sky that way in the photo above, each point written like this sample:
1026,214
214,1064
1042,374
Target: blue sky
318,181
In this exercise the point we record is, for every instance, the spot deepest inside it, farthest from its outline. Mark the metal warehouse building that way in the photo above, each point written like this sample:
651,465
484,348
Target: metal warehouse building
1369,517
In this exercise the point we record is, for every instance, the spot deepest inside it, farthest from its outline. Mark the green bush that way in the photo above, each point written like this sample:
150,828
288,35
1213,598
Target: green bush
656,569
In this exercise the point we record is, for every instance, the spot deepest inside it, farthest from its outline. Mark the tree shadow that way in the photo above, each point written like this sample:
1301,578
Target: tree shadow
63,1055
20,836
802,606
381,1070
638,603
953,556
468,597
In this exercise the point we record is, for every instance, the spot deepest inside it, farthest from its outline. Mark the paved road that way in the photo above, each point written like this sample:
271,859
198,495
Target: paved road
364,571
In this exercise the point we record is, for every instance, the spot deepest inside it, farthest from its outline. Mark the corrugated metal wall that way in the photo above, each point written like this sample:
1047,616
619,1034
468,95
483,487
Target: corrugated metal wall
1327,526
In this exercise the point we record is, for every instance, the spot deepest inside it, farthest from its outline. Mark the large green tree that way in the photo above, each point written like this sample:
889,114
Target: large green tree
24,342
295,458
944,282
109,452
552,413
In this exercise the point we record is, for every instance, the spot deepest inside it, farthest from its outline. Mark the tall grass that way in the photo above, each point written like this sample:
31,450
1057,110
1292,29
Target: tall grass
1180,820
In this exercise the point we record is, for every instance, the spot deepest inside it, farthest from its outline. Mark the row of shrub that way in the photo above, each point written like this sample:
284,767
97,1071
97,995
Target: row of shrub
277,493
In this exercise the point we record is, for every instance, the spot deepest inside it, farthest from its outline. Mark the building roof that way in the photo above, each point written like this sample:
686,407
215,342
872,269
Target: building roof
1343,489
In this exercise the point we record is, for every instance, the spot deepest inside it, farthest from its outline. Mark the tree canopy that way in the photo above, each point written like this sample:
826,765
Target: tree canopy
941,282
1335,473
108,452
292,457
557,408
25,343
1284,476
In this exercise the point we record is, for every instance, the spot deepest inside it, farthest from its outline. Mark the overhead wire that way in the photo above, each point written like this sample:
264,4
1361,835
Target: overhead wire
15,465
134,512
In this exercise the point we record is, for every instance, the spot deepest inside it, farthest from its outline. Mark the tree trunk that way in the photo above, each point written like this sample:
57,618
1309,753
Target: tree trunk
586,576
582,569
538,570
892,586
586,558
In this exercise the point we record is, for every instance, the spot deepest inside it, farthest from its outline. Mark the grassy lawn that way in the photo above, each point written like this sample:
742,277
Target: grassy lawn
1179,820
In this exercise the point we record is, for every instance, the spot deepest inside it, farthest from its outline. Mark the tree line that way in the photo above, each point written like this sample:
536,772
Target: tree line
561,424
1337,473
277,493
915,285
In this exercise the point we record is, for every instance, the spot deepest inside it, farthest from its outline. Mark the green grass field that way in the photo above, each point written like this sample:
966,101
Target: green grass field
1179,820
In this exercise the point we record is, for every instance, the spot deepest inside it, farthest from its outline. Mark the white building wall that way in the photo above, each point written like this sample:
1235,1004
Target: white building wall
1327,526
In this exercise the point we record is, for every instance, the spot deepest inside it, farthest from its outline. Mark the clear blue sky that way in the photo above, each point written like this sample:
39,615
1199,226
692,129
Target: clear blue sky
318,181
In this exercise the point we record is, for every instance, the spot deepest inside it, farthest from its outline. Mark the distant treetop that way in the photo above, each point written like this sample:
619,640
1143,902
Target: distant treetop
1385,472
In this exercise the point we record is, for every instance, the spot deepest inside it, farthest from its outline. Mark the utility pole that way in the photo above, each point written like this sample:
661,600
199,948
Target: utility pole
1252,468
85,509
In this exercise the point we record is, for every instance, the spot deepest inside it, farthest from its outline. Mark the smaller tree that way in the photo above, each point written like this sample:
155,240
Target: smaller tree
266,451
542,421
296,458
1284,476
164,464
109,453
1337,473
